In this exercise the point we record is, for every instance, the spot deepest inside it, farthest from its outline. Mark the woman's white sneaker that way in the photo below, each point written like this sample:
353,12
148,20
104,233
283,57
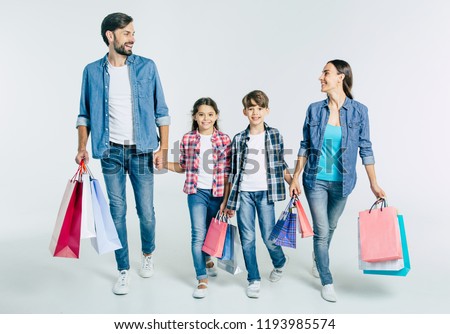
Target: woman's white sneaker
328,293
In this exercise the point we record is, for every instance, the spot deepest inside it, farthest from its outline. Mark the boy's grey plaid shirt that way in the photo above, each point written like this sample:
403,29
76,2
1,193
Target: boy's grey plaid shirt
274,152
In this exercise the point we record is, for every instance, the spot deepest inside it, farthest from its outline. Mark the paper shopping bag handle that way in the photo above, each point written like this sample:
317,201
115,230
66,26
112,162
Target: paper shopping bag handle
381,200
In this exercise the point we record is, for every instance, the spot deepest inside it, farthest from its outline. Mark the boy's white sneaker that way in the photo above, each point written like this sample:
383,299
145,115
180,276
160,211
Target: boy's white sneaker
277,273
122,286
253,289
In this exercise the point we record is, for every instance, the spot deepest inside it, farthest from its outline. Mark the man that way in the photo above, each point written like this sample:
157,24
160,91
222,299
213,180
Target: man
122,104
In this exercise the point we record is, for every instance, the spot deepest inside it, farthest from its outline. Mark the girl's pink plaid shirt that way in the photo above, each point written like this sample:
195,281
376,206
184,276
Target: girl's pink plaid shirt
189,160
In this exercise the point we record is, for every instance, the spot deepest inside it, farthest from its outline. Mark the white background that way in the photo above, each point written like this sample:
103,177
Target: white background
399,52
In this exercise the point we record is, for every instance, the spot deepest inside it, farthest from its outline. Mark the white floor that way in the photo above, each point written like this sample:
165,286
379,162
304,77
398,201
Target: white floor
34,282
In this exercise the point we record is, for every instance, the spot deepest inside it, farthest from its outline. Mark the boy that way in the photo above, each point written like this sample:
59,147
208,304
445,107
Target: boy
258,171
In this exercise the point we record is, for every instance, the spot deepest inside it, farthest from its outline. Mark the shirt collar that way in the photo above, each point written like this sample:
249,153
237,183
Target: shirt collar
247,130
130,59
346,104
213,135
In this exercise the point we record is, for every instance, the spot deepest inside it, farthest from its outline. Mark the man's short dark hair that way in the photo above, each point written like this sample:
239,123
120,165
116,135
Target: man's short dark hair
114,21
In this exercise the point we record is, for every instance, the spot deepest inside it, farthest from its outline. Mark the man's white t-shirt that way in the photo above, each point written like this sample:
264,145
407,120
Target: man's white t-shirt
120,106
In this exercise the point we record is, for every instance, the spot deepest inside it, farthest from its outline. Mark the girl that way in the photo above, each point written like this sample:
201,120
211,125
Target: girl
333,131
205,158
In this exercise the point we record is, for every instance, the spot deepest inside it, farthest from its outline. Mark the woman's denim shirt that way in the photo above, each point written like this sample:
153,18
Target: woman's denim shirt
354,121
149,107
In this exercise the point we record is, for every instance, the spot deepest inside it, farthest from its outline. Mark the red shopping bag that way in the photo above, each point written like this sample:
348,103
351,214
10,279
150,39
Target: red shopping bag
70,187
215,237
303,221
379,233
66,235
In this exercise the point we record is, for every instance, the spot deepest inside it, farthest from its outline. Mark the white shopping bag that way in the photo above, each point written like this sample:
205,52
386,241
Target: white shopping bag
87,214
236,264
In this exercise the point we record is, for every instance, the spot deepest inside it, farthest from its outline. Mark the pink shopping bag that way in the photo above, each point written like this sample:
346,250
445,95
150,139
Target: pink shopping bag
379,233
303,222
215,237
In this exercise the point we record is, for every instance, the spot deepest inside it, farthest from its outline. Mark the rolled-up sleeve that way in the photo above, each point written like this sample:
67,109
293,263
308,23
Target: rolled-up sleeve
365,145
305,143
163,121
83,118
161,110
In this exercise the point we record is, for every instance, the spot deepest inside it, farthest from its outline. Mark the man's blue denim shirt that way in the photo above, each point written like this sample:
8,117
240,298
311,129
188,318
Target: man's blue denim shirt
355,133
149,107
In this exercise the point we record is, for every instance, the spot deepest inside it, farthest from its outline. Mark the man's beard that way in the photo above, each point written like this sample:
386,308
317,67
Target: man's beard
120,49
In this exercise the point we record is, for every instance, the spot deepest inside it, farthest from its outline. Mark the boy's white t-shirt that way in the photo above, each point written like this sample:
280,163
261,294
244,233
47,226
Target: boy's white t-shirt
206,163
254,176
120,106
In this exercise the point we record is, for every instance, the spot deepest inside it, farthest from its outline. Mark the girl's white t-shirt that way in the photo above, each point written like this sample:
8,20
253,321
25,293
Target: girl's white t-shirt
206,163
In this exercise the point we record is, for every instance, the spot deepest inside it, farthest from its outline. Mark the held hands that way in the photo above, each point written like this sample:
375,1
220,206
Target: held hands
160,158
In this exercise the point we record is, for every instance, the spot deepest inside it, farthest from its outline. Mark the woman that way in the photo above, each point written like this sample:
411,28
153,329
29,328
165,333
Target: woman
333,131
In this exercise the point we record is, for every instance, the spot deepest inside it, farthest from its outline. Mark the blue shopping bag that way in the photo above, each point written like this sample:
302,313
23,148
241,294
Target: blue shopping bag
407,264
228,246
288,233
284,231
235,264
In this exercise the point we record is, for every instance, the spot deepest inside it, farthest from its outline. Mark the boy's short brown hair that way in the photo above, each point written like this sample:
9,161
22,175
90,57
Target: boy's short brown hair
258,97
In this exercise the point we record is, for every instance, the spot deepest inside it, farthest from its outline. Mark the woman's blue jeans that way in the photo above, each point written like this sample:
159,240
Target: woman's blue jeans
326,204
139,167
203,206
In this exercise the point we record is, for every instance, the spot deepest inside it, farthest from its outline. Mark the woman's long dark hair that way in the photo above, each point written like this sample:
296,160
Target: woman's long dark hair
343,67
204,101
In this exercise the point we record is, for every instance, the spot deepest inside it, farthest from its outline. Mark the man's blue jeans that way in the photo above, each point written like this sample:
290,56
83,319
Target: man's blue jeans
139,167
326,204
251,202
203,206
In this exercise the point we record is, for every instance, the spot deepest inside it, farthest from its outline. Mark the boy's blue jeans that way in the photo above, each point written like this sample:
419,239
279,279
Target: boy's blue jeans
252,202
